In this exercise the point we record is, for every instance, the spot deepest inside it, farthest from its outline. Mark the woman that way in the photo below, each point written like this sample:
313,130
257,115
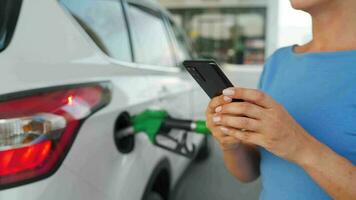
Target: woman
299,130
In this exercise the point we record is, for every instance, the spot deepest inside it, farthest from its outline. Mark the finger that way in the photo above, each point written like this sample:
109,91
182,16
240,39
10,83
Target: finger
251,95
244,136
209,120
217,101
210,123
242,109
237,122
217,133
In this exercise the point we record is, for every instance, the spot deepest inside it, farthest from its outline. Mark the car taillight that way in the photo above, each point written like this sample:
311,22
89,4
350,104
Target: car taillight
38,128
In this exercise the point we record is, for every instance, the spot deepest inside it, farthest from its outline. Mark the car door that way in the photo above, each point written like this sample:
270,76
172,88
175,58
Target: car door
132,35
153,48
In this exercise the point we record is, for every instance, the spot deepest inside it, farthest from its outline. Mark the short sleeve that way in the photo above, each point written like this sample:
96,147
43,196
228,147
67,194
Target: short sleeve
270,68
260,82
263,76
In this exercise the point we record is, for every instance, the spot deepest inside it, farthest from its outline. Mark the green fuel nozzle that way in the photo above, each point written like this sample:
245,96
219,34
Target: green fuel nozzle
158,123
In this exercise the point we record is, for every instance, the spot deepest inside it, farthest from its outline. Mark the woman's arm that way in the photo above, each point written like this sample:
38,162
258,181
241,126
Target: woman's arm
243,162
262,121
335,174
240,159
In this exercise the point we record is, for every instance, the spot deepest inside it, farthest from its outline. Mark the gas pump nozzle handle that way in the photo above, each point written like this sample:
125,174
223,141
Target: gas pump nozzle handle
188,125
152,121
158,122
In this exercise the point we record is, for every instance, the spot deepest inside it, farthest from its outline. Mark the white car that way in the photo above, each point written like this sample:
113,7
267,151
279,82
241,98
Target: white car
71,70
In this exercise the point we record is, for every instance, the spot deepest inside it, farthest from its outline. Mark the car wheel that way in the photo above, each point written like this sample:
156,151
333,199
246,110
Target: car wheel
153,196
204,151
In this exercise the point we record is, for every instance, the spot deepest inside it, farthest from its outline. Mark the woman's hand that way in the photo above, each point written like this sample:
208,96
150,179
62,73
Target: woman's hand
226,142
260,121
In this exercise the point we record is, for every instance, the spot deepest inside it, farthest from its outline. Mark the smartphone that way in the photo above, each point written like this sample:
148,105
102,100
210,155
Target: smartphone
209,76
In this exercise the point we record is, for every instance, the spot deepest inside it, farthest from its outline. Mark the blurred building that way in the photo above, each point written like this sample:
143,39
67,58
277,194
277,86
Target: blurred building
230,31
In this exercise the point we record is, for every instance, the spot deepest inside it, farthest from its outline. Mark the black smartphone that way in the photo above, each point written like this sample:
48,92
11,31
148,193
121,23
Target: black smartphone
209,76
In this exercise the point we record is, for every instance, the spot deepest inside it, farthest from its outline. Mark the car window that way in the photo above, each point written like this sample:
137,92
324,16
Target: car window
9,12
150,37
104,21
182,48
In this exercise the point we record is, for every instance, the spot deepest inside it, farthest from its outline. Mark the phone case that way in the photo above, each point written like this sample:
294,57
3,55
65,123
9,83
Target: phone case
208,75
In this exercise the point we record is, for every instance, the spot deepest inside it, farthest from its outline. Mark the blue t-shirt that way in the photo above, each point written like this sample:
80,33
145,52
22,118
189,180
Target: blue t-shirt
319,91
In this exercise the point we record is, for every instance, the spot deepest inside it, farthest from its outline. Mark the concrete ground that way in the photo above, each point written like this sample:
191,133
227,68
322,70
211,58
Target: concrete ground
209,180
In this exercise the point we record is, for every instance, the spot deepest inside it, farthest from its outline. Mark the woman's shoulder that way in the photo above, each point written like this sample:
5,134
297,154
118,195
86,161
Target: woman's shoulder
279,56
272,65
281,53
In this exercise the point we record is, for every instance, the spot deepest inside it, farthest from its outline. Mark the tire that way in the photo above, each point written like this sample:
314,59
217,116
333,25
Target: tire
158,186
204,151
153,196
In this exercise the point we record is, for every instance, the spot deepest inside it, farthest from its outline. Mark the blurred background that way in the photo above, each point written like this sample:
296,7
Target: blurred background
142,57
240,34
